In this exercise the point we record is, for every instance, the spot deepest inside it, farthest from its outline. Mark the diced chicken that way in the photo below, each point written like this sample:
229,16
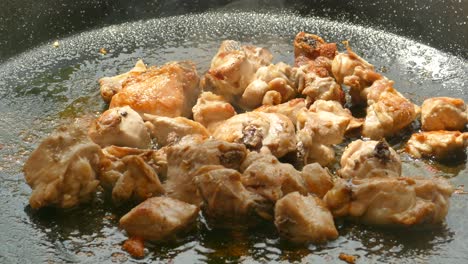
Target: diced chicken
170,90
168,130
159,218
441,145
185,161
317,180
290,109
366,159
120,126
391,201
62,170
443,113
264,132
337,109
112,85
304,219
310,151
212,109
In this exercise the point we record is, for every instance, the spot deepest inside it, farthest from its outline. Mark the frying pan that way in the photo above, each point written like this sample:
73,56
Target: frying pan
422,45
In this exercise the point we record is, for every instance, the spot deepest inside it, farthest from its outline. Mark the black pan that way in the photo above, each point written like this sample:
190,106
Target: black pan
421,45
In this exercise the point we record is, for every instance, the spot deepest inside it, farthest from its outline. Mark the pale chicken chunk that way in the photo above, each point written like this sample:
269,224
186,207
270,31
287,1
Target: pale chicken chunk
159,218
337,109
185,161
170,90
120,126
443,113
265,132
212,109
290,109
366,159
391,201
441,145
62,171
317,180
112,85
310,151
304,219
168,130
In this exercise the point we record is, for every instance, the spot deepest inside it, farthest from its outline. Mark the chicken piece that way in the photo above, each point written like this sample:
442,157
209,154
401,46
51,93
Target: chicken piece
212,109
233,68
258,131
120,126
304,219
62,170
225,200
185,161
443,113
112,85
135,246
290,109
310,151
391,201
272,85
441,145
266,176
317,180
366,159
159,218
337,109
388,111
170,90
167,130
132,174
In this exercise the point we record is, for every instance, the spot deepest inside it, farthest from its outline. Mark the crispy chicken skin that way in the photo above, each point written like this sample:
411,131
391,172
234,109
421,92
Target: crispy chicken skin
62,171
112,85
159,218
304,219
317,180
391,201
366,159
170,90
265,132
120,126
211,109
440,145
443,113
290,109
168,130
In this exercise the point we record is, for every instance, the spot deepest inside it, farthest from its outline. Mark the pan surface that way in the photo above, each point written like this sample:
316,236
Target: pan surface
50,85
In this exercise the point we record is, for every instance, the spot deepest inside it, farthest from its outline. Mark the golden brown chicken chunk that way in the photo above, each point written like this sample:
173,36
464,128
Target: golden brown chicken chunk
290,109
317,180
112,85
212,109
120,126
337,109
62,171
264,132
170,90
366,159
159,218
391,201
441,145
443,113
304,219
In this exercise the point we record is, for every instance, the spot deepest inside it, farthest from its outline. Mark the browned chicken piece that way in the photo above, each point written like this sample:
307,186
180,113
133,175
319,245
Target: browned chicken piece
265,175
313,59
185,161
112,85
212,109
290,109
391,201
120,126
441,145
388,111
170,90
159,218
337,109
265,132
132,174
351,70
225,200
62,171
317,180
443,113
366,159
233,68
168,130
304,219
273,84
